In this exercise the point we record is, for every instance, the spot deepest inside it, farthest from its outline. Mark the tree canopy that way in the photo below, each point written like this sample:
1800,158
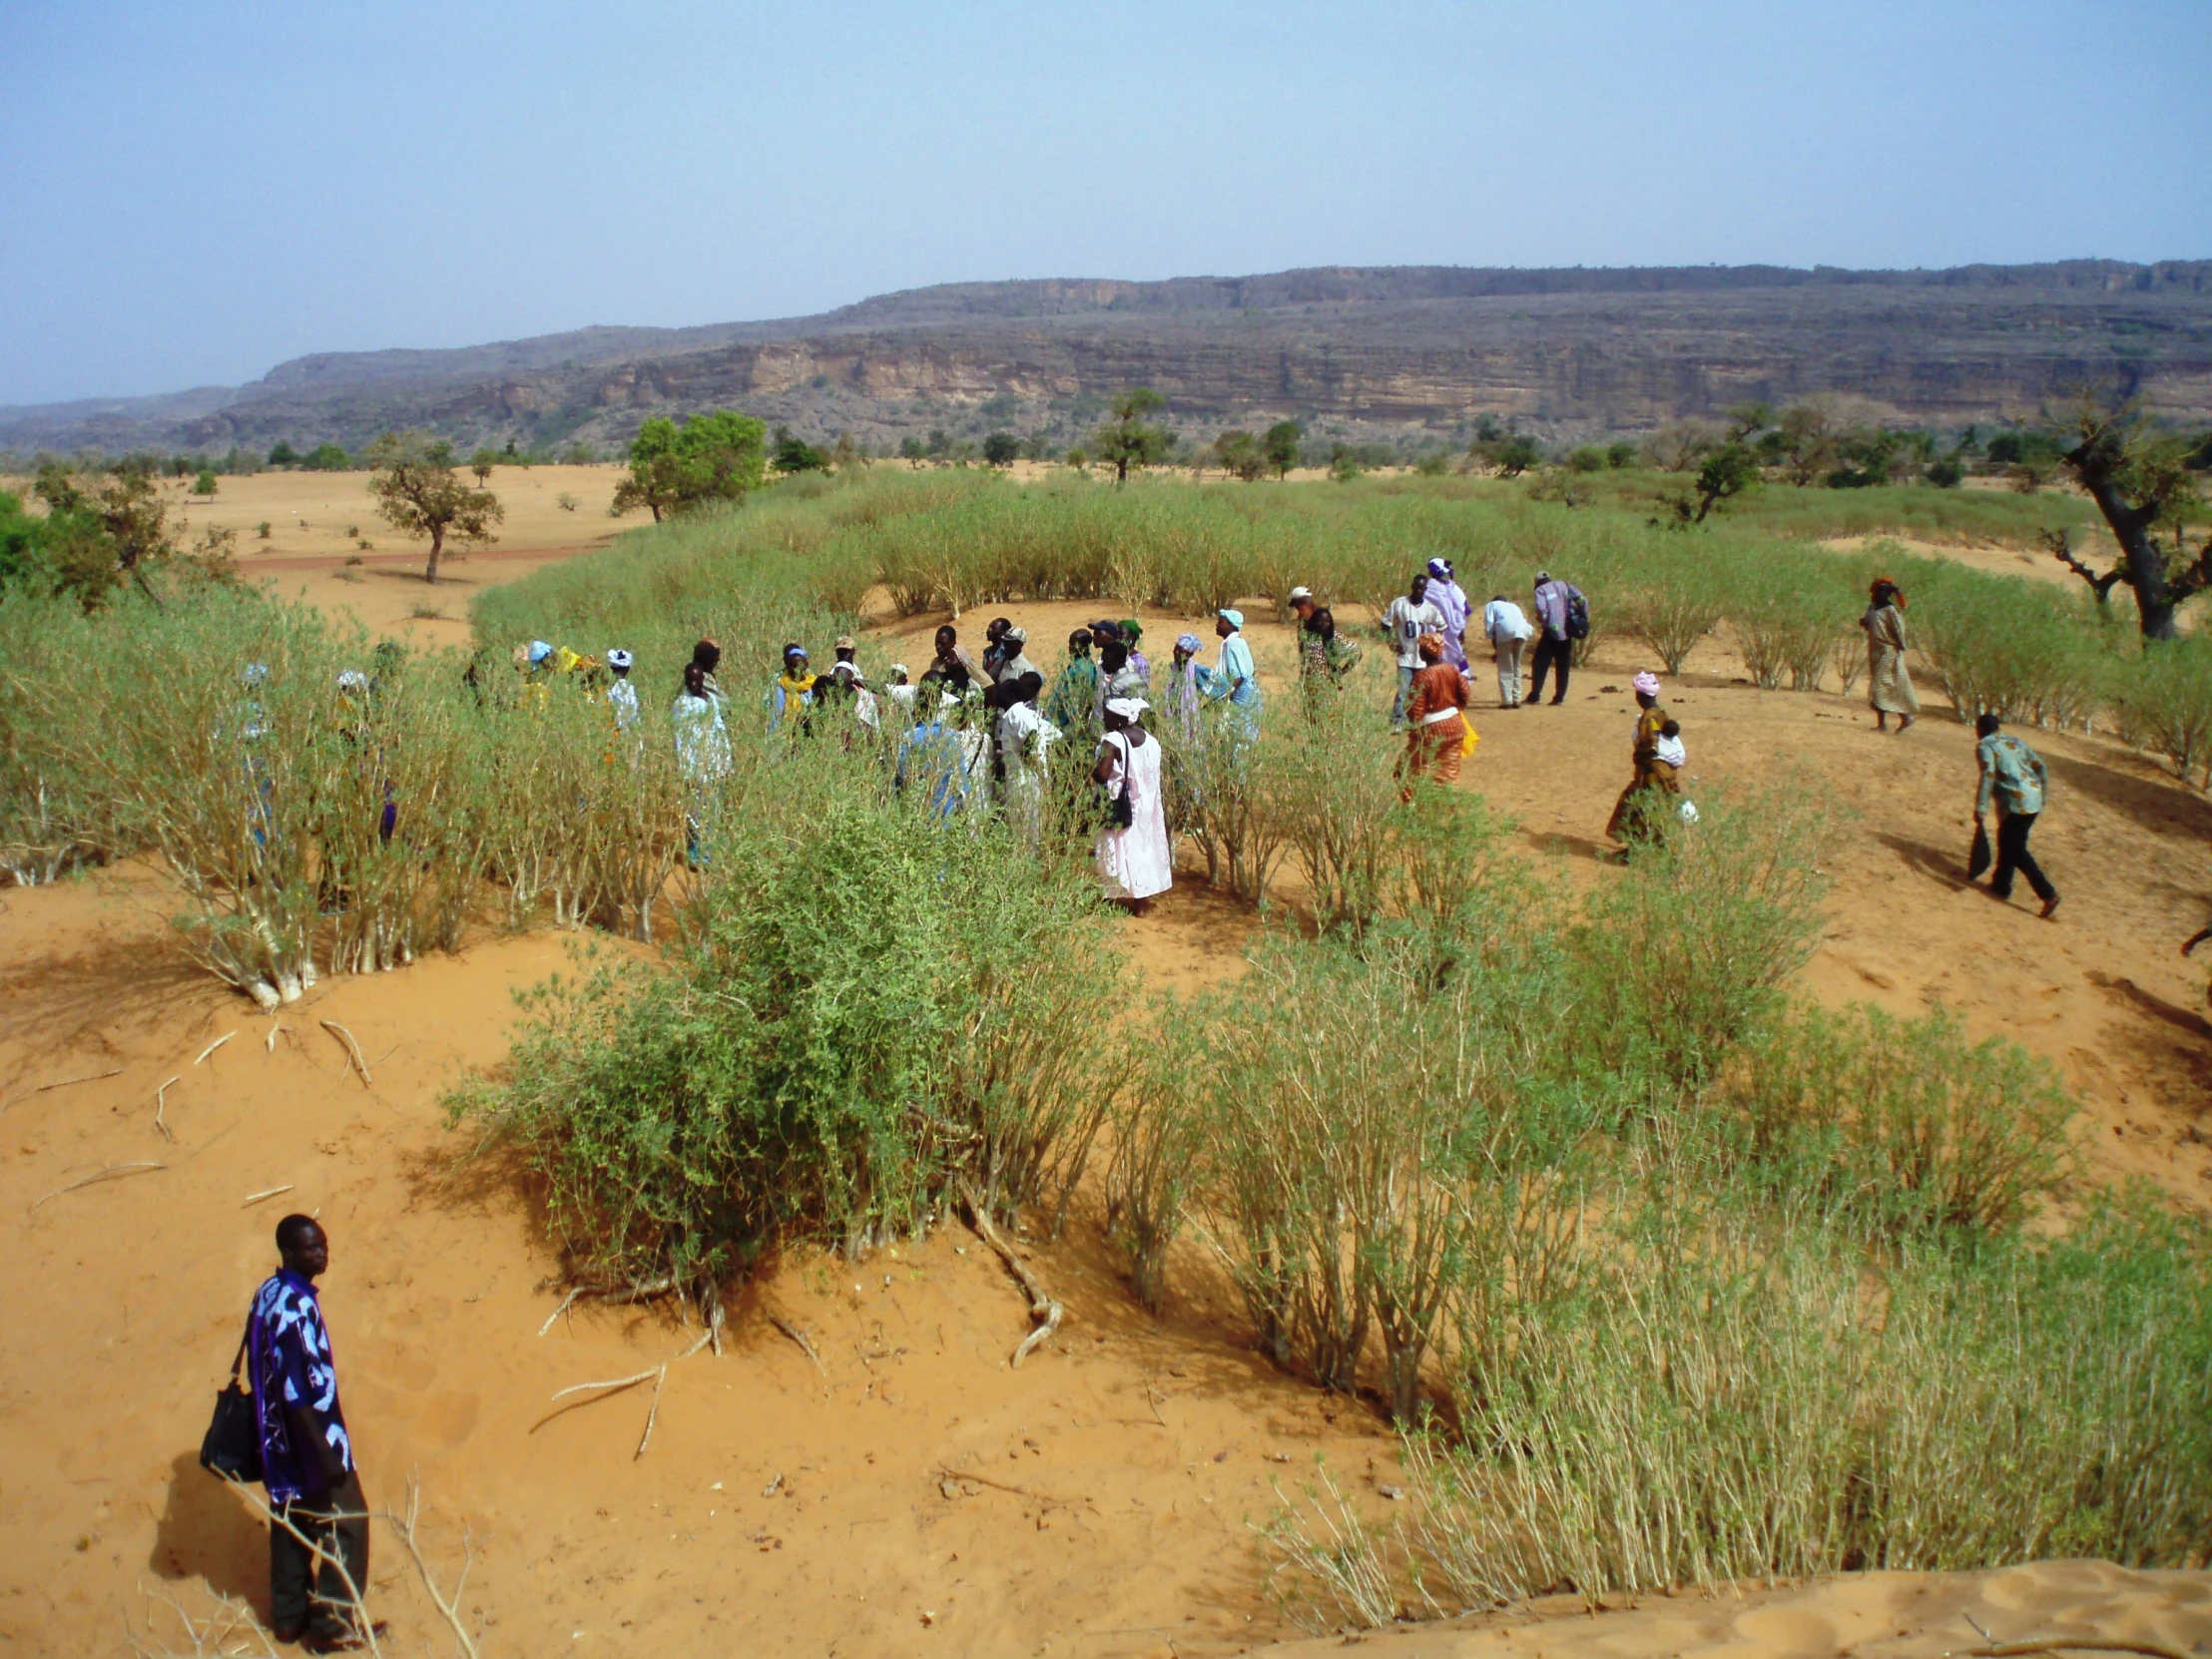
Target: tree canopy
795,454
416,492
1129,441
1002,449
2141,482
1280,444
716,457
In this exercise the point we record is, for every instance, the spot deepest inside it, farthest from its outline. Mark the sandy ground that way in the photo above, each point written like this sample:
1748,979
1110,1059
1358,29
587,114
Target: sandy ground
911,1491
326,544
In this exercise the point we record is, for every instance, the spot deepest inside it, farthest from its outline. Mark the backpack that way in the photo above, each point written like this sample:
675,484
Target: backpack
1578,616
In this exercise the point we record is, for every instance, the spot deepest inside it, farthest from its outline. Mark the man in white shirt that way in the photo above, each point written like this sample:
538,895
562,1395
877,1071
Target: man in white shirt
1411,615
1509,631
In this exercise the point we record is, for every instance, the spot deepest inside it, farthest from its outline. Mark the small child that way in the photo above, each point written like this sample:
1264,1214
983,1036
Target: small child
1670,748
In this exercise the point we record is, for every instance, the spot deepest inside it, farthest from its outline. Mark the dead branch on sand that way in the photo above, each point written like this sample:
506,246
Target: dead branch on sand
252,1198
161,1105
614,1384
212,1047
352,1048
113,1172
2078,1644
950,1473
1043,1310
799,1337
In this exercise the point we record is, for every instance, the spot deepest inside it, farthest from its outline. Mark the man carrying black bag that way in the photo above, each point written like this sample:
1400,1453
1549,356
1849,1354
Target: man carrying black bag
319,1543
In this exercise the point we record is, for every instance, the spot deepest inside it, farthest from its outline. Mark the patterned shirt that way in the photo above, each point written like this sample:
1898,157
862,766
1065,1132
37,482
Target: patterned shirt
295,1388
2012,771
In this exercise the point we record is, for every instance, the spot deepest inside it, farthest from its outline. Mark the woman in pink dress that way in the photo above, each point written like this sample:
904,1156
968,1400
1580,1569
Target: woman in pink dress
1135,857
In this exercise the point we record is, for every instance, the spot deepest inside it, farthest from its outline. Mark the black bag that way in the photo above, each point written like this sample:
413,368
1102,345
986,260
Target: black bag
1120,813
1579,617
1980,858
233,1448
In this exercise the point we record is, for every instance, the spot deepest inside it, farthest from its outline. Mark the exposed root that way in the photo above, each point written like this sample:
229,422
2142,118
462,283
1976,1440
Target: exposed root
352,1048
651,1415
113,1172
252,1198
275,1029
567,1301
65,1083
2078,1644
212,1047
799,1337
1043,1310
160,1104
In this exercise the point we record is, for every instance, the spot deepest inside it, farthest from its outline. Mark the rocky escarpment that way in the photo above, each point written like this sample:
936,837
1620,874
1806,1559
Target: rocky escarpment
1361,351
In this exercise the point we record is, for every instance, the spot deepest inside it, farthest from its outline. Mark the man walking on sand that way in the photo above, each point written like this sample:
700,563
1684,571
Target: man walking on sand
318,1538
1556,605
2013,775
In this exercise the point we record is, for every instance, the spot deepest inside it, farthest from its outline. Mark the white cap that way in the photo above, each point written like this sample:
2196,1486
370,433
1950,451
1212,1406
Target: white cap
1128,707
1301,593
618,658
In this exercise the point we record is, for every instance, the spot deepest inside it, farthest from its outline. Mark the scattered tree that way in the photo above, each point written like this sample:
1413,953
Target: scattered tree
1001,449
1516,455
1128,441
2139,481
326,457
260,530
845,455
1621,456
1589,457
1079,458
567,501
100,529
205,483
794,454
481,463
1239,455
1280,444
284,454
1344,464
417,494
711,458
911,452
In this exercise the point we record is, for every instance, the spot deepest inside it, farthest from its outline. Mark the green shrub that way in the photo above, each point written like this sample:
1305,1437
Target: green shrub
2164,702
1904,1126
854,1028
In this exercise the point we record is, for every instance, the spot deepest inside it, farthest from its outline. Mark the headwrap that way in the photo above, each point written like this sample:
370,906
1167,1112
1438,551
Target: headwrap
1646,682
1126,707
1188,642
253,674
1432,648
352,680
539,651
898,668
844,643
799,651
619,658
1018,635
1296,594
1440,567
1235,619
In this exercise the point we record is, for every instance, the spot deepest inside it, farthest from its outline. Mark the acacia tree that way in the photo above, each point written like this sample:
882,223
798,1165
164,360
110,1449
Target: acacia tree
1239,455
1280,441
100,530
1128,441
417,493
710,458
2139,481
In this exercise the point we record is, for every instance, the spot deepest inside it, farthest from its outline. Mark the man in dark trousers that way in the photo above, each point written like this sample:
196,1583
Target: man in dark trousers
2012,776
307,1455
1556,602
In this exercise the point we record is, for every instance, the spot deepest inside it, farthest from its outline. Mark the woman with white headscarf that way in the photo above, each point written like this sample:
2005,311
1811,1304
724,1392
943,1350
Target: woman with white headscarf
1635,814
1135,857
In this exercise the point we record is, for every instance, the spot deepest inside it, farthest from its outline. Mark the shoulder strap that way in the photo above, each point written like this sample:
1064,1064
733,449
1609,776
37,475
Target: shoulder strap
237,1360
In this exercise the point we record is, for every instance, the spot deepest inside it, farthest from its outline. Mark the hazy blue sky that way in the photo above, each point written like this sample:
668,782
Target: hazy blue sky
193,193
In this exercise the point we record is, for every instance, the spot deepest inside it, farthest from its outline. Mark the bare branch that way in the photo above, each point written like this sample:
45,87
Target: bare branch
113,1172
2060,544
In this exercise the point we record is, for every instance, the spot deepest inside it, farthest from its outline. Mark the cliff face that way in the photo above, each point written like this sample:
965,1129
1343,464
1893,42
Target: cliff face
1367,352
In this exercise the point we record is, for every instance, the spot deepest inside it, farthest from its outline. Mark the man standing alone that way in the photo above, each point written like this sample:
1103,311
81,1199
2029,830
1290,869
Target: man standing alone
307,1455
1556,605
2013,775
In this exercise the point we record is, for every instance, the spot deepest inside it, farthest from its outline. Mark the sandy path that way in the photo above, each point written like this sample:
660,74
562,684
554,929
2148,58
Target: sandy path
1141,1448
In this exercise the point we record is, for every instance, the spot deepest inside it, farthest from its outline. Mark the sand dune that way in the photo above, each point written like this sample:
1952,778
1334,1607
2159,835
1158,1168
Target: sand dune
912,1489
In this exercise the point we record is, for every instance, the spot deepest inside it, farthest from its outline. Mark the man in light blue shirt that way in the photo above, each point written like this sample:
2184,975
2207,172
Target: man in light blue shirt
2014,778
